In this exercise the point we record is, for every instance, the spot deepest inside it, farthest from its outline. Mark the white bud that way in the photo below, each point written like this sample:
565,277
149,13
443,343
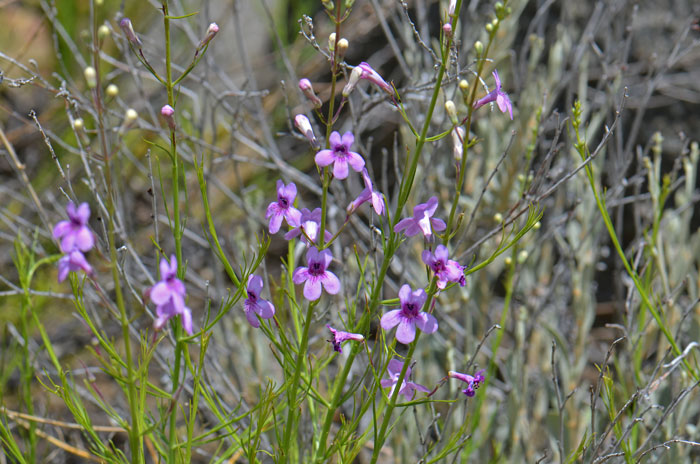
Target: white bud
78,124
112,90
90,77
130,116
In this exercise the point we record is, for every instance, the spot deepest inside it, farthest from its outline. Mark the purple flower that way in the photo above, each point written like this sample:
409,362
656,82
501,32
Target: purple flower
497,95
407,388
422,220
254,304
316,274
473,382
339,337
72,262
445,269
340,155
373,76
409,316
310,222
169,296
367,194
283,207
74,233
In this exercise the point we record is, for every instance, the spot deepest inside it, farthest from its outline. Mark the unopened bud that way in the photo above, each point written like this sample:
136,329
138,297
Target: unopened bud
130,116
212,30
451,111
458,134
303,124
352,82
167,112
90,77
522,256
308,90
112,90
537,225
328,4
78,124
495,22
489,28
129,32
498,217
103,32
451,7
349,4
447,29
343,45
331,42
508,261
478,47
463,85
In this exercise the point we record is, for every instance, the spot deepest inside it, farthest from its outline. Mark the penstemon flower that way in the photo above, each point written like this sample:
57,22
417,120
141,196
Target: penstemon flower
445,269
169,296
407,388
422,220
497,95
409,316
339,337
473,382
373,76
72,262
254,304
368,194
310,222
315,274
340,155
283,208
74,233
303,124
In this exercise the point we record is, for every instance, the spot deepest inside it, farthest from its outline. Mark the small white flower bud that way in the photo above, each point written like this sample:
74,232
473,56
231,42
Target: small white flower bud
103,32
112,90
508,261
212,30
498,217
331,42
457,142
451,112
78,124
303,124
451,7
130,116
343,45
478,47
522,256
90,77
352,81
463,85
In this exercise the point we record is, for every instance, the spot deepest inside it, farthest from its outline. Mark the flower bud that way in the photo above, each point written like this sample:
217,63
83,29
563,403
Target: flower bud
303,124
167,112
451,111
458,134
90,77
78,124
352,81
373,76
103,32
463,85
522,256
489,28
308,90
478,47
498,217
508,261
349,4
343,45
451,7
130,116
212,30
331,42
128,29
112,90
447,29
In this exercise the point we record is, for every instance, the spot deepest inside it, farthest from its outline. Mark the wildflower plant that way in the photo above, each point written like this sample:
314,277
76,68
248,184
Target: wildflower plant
239,301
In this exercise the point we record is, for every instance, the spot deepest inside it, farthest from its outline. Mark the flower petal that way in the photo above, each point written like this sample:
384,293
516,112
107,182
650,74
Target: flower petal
84,239
255,284
348,139
340,169
391,319
356,161
312,289
252,319
330,282
426,322
61,229
275,223
83,213
160,293
324,158
301,274
406,331
265,309
335,139
186,320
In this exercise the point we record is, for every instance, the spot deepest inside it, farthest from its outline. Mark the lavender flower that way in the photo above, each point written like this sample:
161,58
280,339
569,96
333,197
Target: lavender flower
254,304
311,223
409,316
497,95
283,208
169,296
373,76
340,155
445,269
407,388
72,262
422,220
368,194
315,274
473,382
74,233
339,337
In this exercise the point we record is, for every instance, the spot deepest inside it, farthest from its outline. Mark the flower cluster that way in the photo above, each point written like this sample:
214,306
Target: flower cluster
75,238
169,297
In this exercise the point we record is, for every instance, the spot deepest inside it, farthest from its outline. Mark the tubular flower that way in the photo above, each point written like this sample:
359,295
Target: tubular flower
409,316
445,269
283,208
339,337
373,76
422,220
74,233
169,296
497,95
473,382
254,304
310,223
340,155
303,125
407,388
72,262
315,274
368,194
